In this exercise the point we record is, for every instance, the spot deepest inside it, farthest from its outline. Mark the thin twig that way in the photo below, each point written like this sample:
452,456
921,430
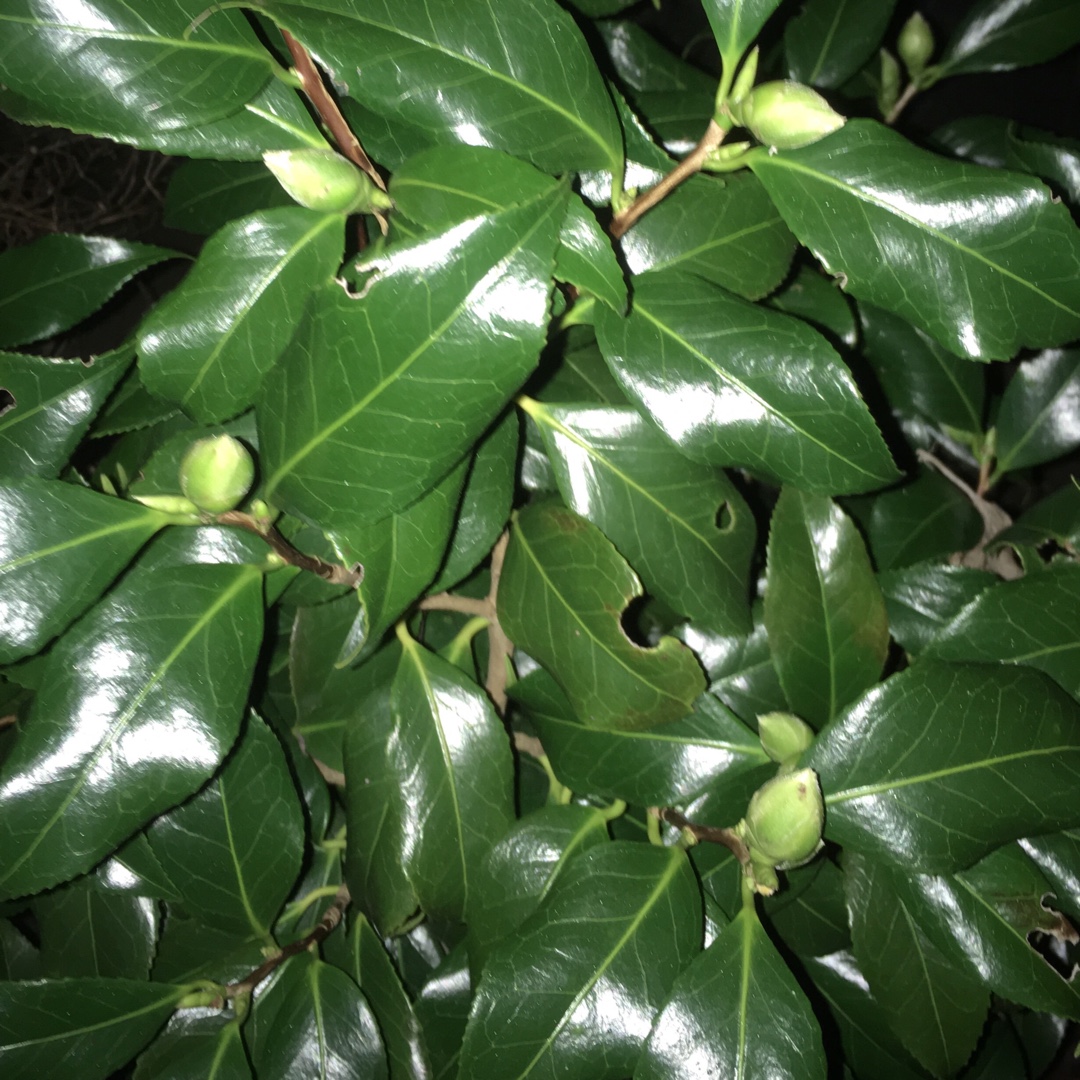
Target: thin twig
708,834
8,721
713,137
331,776
529,744
463,605
902,103
500,648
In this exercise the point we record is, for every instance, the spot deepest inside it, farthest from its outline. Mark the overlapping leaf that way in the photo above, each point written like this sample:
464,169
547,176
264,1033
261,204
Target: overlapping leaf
574,993
448,328
209,343
735,24
815,298
732,383
138,705
196,1046
470,73
830,40
203,196
982,260
942,763
562,592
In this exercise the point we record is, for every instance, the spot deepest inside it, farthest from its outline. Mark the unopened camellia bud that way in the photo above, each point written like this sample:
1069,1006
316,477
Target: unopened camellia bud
784,736
787,115
784,820
916,44
216,473
324,180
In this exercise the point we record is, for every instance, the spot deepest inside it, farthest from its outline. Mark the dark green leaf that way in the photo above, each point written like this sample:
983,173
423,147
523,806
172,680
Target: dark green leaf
375,974
189,949
1053,158
735,24
561,595
682,525
735,1011
937,1009
998,35
1057,517
521,869
574,993
815,298
139,704
643,64
944,762
195,1047
808,913
981,260
204,196
234,851
824,613
19,960
209,343
89,931
118,71
135,869
60,547
132,407
470,74
429,788
78,1029
830,40
924,598
671,764
1058,857
52,405
55,282
1031,621
342,442
323,1029
732,383
1037,420
725,231
442,1006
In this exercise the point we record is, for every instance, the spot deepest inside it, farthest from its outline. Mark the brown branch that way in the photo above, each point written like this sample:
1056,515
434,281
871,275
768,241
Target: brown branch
500,648
902,103
528,744
327,924
333,573
708,834
331,776
463,605
713,137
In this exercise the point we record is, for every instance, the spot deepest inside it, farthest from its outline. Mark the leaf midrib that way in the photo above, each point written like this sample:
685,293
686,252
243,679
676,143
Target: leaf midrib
142,521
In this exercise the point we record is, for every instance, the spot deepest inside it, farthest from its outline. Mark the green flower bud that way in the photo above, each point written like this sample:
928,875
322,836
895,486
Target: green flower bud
215,474
725,158
169,504
784,736
745,80
787,115
916,45
784,820
324,180
889,89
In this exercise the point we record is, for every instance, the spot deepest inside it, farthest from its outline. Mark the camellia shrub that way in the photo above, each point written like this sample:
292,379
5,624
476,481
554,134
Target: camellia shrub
572,582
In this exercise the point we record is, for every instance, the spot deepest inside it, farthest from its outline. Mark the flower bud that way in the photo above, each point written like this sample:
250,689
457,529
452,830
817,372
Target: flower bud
889,86
216,473
916,44
784,820
744,82
784,736
787,115
324,180
169,504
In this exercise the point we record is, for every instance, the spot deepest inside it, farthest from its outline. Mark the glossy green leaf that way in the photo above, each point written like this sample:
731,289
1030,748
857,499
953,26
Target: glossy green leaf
982,261
1030,621
138,705
577,371
725,231
135,869
442,1006
429,787
808,914
446,185
131,407
998,35
190,949
56,282
89,931
234,851
1058,857
923,599
815,298
52,404
682,525
159,76
342,442
1057,517
735,24
204,196
574,993
521,869
643,64
824,612
735,1011
209,343
60,547
732,383
937,1010
1037,420
981,920
942,763
324,1029
19,960
471,74
671,764
194,1047
830,40
561,595
374,972
79,1029
1055,159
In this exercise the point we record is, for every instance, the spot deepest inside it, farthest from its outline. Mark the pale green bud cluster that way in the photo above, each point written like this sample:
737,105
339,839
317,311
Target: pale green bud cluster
784,737
324,180
216,473
916,45
786,115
